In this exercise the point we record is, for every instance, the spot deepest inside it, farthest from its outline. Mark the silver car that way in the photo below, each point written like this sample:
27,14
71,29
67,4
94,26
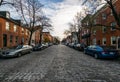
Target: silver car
18,51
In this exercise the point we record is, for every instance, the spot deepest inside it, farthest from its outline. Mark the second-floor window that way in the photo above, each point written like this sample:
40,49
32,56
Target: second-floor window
7,26
104,16
104,29
15,28
113,25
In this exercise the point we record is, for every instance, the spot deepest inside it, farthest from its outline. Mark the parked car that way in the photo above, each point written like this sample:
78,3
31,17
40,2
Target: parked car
44,46
101,52
17,52
37,47
71,45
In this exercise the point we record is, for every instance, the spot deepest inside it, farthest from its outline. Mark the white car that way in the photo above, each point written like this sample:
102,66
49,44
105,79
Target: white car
19,51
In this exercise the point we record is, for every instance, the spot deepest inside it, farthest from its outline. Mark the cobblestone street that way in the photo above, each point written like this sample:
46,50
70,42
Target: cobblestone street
59,63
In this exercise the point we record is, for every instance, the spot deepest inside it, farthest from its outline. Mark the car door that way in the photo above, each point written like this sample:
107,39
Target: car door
24,49
94,50
89,50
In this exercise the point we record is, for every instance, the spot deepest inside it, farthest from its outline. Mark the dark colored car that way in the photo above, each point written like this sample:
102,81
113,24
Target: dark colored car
37,47
80,46
101,52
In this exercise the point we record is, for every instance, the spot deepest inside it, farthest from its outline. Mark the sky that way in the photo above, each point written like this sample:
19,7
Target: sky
61,12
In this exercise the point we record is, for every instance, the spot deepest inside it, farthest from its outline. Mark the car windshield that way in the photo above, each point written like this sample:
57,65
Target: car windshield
99,48
19,47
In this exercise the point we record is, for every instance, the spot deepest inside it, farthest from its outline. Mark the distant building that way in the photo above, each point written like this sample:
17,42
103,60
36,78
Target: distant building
46,37
11,31
74,37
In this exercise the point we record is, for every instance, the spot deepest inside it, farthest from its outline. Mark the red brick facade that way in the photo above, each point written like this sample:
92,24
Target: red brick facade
11,33
106,35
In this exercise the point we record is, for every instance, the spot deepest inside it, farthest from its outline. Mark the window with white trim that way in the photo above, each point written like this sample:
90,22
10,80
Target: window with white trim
94,32
113,24
104,29
15,28
104,41
113,40
7,26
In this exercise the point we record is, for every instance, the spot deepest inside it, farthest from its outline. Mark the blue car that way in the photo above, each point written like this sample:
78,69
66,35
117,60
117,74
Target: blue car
101,52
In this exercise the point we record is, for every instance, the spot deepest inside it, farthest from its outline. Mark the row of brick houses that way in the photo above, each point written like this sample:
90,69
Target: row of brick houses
103,34
13,33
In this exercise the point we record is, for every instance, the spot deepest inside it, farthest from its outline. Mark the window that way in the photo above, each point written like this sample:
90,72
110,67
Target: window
104,29
113,24
11,38
7,15
22,30
113,40
94,32
7,26
15,28
104,41
94,41
95,21
104,16
16,39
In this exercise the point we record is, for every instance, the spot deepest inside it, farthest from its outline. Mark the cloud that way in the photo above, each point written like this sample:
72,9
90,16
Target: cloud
61,14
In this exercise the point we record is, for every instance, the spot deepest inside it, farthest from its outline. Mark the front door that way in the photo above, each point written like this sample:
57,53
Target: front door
118,46
4,40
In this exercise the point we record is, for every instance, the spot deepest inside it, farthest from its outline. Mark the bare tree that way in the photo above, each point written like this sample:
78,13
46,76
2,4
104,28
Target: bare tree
30,12
45,24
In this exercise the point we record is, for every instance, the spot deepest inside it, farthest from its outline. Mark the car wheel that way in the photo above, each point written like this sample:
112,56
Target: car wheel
19,54
96,56
30,51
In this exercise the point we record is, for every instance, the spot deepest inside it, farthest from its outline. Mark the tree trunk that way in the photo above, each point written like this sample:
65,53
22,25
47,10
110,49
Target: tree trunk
115,14
29,43
40,41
